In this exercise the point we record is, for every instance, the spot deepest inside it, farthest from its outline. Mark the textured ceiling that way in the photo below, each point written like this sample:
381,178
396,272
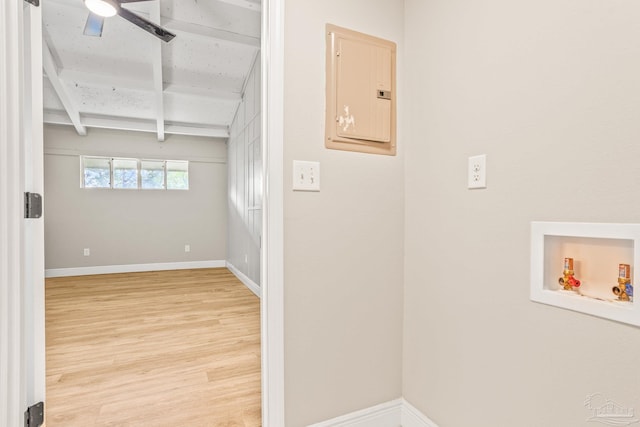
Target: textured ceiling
128,79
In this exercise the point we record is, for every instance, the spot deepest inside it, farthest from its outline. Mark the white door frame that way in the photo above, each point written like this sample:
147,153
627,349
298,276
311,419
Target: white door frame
12,391
272,261
22,370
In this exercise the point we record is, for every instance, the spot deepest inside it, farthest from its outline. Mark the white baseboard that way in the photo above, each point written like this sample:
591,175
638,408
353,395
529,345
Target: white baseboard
396,413
383,415
412,417
253,286
131,268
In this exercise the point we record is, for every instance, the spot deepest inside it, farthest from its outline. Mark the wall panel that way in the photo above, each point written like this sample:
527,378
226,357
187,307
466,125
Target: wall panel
133,226
245,182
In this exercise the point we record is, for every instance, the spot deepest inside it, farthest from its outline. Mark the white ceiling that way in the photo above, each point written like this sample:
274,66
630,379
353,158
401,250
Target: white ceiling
129,79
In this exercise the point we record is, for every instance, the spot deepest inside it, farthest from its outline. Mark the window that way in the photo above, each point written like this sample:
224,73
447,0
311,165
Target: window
125,173
97,172
120,173
152,174
177,175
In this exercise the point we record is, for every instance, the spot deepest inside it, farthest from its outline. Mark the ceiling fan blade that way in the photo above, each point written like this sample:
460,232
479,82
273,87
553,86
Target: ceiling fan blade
94,25
146,25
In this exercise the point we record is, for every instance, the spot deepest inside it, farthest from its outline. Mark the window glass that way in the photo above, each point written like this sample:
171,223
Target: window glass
177,175
125,173
97,172
152,174
105,172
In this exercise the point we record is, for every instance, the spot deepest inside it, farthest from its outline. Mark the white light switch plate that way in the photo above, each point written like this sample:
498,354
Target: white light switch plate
477,172
306,176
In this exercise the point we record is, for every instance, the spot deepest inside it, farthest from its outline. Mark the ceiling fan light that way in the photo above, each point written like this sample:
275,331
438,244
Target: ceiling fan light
104,8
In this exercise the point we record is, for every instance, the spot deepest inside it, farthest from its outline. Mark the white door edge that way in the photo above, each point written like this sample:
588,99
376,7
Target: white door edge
33,234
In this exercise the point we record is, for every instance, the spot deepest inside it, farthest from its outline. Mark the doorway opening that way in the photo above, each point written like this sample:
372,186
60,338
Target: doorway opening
24,75
270,315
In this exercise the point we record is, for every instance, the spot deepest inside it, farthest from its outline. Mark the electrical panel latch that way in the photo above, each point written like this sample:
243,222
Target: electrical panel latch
384,94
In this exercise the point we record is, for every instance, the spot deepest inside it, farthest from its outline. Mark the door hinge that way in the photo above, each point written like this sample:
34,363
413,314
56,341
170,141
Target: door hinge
32,205
36,3
34,416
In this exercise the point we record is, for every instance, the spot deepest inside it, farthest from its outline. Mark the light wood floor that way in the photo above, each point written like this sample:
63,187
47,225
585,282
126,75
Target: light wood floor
158,349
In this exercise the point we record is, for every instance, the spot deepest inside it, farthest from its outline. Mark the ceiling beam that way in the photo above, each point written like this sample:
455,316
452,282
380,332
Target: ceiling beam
138,125
93,79
202,92
212,33
254,63
156,55
246,4
185,129
65,98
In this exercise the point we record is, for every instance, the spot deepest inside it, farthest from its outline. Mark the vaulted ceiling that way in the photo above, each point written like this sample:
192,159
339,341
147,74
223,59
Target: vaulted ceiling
128,79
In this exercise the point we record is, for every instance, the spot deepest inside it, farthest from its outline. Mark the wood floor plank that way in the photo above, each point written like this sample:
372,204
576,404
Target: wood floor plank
154,349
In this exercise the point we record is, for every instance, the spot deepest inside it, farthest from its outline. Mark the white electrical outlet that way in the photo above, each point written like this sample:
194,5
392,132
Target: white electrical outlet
87,252
477,172
306,176
187,248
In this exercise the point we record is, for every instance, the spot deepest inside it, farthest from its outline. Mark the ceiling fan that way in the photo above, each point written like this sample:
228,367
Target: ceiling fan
100,9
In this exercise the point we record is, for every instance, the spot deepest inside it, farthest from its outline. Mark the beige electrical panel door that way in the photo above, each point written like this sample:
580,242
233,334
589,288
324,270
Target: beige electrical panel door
361,98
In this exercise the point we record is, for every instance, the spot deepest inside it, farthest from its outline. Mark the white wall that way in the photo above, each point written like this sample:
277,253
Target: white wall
549,90
132,226
245,182
344,245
